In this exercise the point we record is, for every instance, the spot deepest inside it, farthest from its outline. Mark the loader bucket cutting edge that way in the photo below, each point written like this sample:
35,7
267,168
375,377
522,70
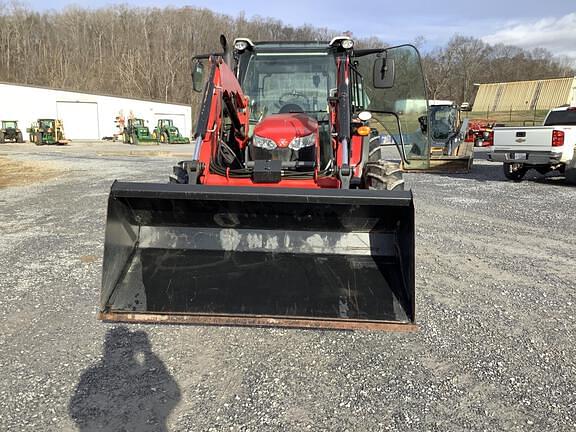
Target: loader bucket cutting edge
341,259
451,164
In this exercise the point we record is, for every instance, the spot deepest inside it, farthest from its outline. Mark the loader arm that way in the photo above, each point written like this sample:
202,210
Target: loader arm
222,91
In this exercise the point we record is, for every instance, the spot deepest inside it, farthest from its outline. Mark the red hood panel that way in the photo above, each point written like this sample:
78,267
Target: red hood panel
283,128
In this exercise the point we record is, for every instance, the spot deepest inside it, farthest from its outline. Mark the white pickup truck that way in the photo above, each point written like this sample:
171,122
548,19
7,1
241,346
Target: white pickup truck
543,148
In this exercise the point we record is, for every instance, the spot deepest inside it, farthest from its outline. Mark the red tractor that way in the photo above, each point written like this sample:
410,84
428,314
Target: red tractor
286,214
480,132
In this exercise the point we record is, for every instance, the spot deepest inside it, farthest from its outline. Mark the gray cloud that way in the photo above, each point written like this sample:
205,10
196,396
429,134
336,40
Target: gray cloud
558,35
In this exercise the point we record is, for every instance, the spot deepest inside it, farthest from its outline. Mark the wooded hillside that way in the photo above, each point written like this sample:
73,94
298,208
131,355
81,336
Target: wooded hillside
146,52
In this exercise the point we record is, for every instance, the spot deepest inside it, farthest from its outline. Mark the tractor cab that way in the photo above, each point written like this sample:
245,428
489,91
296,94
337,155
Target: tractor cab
9,124
137,122
46,124
10,132
443,121
305,98
289,87
444,127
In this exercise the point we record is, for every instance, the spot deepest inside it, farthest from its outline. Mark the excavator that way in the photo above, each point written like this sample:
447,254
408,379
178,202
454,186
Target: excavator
286,214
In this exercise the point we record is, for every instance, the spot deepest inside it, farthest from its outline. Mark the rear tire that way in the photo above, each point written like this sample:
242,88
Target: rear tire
2,140
39,139
514,171
570,171
383,175
134,139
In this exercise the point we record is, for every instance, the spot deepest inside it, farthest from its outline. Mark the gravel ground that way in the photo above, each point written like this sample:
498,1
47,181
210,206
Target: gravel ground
496,279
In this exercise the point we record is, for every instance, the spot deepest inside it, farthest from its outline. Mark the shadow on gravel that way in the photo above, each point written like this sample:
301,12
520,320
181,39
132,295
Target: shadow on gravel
494,173
481,173
130,389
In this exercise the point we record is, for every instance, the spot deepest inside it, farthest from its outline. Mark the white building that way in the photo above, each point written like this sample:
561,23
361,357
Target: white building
86,116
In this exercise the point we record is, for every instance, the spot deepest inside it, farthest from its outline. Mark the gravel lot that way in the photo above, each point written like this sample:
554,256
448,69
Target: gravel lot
496,279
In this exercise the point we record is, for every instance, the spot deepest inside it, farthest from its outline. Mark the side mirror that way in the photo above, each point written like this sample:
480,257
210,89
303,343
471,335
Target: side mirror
197,76
423,120
384,72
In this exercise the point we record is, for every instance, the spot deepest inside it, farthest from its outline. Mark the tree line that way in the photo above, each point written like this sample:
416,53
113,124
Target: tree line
452,70
146,52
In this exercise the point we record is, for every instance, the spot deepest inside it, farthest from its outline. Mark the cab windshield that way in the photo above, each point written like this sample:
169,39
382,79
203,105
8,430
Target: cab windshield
289,83
442,121
9,124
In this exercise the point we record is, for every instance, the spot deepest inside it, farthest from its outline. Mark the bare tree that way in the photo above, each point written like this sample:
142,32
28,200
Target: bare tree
146,52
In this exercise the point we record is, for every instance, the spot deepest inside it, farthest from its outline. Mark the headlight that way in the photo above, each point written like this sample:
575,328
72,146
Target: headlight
347,43
263,143
301,142
241,45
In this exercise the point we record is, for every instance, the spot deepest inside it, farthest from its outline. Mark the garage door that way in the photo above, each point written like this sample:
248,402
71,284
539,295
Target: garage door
80,119
178,119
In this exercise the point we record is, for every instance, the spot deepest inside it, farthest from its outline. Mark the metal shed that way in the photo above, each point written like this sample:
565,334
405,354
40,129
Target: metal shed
526,95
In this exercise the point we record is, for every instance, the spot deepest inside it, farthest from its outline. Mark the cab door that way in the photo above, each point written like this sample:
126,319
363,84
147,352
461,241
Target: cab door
394,92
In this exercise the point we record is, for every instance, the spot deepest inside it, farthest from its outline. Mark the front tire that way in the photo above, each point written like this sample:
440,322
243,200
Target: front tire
19,138
39,139
383,175
514,171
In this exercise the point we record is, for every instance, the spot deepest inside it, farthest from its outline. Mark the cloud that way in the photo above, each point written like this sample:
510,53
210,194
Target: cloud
558,35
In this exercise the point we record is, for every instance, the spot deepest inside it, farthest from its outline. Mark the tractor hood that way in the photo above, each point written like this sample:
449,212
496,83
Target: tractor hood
283,128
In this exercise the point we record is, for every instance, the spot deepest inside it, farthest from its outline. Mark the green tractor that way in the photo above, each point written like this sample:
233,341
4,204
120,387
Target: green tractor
166,132
10,132
47,131
136,132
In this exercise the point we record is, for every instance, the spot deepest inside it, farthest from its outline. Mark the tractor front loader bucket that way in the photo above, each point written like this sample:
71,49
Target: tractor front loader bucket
460,163
178,140
450,164
259,256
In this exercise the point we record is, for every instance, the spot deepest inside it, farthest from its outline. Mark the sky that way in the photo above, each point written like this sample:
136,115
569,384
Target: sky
549,24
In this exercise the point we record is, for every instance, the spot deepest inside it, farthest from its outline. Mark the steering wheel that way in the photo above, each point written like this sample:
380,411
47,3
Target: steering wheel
289,96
